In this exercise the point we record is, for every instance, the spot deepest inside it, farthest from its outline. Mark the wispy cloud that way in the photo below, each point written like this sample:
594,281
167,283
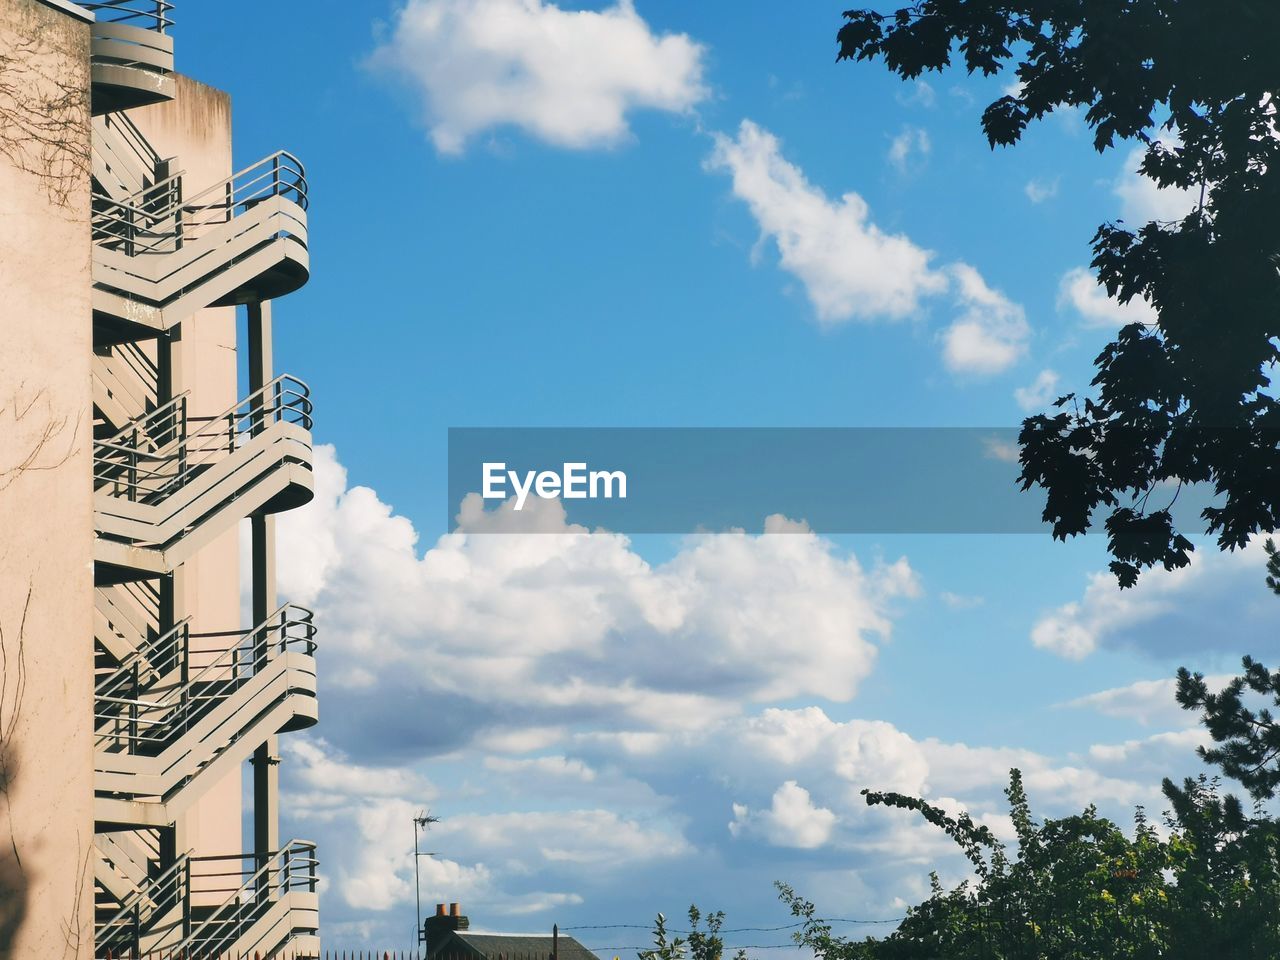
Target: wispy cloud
1038,191
909,150
851,269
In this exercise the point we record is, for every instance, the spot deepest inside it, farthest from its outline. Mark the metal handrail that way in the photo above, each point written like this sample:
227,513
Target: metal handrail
168,647
142,475
135,139
266,880
167,889
157,219
153,13
120,713
168,416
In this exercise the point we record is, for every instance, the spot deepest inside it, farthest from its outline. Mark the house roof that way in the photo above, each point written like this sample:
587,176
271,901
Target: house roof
469,944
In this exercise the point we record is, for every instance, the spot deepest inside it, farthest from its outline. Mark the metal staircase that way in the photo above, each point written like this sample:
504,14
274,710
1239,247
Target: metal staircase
176,711
150,916
273,908
125,380
123,161
169,482
184,708
131,54
160,255
125,616
203,908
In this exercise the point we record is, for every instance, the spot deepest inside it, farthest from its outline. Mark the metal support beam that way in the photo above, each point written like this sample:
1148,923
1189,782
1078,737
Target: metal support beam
266,771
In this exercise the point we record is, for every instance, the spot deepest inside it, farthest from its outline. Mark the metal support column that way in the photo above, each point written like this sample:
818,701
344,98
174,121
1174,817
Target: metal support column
266,773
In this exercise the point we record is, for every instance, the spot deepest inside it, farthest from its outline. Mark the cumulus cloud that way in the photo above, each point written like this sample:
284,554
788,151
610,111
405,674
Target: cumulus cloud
851,269
791,777
1036,396
1169,612
590,717
565,625
1080,291
792,820
567,77
909,149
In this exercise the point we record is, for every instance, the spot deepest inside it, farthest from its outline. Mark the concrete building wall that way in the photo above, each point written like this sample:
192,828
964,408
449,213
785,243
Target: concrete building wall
46,512
195,127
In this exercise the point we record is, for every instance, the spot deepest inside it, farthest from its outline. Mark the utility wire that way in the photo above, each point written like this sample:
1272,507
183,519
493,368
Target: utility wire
785,926
744,946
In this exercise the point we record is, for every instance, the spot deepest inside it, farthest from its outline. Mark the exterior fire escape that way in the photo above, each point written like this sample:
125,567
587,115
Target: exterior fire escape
176,709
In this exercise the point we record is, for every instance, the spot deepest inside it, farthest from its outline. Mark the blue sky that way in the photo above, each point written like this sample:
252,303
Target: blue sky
695,218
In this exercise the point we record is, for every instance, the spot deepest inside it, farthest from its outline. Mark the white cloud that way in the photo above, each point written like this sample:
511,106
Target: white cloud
990,334
1146,702
1001,448
1167,612
568,77
1035,397
921,95
853,270
958,601
1038,191
1184,741
594,716
909,149
569,623
328,774
792,820
555,767
1142,201
1079,289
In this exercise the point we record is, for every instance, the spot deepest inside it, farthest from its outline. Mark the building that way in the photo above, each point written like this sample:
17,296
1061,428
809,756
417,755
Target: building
140,710
449,936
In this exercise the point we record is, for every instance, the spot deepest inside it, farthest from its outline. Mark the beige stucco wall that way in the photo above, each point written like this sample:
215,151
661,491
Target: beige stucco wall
196,129
46,517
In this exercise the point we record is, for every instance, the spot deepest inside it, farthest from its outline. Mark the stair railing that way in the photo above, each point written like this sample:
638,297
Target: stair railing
124,467
148,14
123,931
140,456
263,882
143,369
157,219
129,723
134,139
147,221
118,705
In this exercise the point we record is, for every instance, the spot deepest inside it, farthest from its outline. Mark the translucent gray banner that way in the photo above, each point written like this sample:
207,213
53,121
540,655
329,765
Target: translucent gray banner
878,480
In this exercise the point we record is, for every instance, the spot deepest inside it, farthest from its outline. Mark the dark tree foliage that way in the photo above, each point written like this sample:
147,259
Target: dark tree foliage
1181,402
1248,739
1080,887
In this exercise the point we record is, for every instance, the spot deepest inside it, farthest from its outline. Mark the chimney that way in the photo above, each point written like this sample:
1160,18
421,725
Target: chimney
436,929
